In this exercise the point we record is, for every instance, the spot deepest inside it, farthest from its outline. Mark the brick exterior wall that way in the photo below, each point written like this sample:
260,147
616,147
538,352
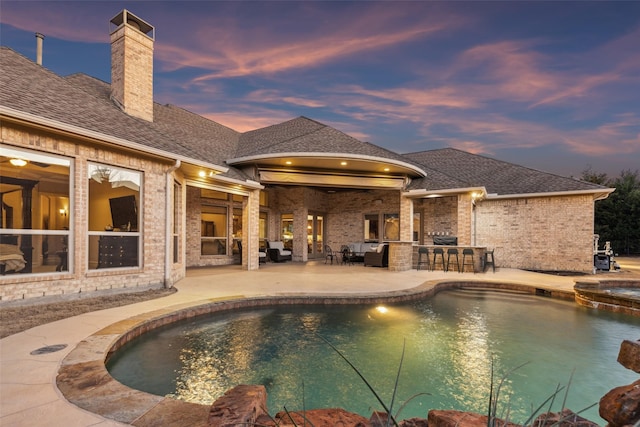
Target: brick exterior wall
543,233
153,223
439,217
132,71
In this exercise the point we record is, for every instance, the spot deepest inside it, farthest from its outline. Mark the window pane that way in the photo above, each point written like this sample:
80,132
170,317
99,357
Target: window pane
287,231
417,234
391,227
262,232
114,217
213,230
34,196
113,251
371,228
177,197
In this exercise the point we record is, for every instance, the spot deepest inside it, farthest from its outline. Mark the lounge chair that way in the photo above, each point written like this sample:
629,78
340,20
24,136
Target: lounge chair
277,252
377,258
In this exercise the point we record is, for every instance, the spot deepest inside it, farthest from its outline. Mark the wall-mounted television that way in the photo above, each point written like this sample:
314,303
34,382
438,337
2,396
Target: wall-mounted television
124,212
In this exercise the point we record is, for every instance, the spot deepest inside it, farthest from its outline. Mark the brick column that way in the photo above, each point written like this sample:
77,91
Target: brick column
400,256
406,219
251,233
465,224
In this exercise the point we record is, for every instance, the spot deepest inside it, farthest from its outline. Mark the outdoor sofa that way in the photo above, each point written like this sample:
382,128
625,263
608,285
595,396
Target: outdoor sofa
358,250
377,258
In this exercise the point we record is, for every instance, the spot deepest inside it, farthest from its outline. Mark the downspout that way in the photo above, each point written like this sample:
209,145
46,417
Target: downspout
168,238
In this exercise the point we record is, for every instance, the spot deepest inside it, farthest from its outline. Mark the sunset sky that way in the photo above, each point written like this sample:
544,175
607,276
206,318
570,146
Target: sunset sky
550,85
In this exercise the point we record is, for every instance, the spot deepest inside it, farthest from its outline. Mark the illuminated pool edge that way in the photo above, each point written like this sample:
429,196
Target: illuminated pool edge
84,380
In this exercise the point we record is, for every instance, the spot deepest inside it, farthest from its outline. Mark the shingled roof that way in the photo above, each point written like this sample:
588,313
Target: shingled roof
84,102
304,135
449,168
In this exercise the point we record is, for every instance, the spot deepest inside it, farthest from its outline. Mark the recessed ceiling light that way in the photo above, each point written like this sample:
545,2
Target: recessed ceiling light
18,162
202,174
343,163
386,169
288,162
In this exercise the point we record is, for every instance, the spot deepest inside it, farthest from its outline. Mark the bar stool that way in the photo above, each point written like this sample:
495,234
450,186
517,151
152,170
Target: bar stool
455,253
487,255
423,252
436,252
466,252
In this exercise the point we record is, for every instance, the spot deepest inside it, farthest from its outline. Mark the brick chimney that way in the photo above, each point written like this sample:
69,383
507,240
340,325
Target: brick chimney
132,65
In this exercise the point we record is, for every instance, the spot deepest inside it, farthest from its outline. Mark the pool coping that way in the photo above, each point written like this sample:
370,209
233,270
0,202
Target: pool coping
84,381
594,295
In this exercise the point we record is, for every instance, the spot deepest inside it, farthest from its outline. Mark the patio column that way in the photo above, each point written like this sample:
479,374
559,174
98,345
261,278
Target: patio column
251,232
401,252
406,219
465,219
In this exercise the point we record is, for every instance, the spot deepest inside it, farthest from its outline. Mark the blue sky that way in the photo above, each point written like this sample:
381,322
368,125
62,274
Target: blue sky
550,85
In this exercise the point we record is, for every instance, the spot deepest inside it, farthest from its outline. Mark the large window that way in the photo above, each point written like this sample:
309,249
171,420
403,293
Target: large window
213,230
35,212
114,216
386,225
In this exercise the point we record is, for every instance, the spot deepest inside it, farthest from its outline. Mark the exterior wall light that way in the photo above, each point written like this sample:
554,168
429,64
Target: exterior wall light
18,162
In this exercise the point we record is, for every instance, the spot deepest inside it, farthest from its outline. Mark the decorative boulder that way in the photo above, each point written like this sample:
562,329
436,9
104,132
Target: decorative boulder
629,355
439,418
565,418
621,406
240,406
332,417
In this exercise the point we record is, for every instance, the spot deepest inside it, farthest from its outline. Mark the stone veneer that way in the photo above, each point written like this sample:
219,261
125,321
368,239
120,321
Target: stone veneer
84,380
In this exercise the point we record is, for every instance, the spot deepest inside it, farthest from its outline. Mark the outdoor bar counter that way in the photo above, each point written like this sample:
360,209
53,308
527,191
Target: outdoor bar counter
478,257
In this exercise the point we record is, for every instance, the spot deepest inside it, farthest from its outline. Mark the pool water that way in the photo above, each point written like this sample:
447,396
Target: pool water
450,342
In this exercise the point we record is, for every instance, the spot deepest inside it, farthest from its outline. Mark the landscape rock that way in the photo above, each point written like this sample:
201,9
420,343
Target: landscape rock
331,417
621,406
443,418
239,407
565,418
629,355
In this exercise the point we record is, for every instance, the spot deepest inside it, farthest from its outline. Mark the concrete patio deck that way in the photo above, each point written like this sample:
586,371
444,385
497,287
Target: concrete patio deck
30,397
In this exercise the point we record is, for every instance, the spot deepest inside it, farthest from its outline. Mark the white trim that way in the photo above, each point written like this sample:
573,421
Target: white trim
599,194
210,186
425,194
306,154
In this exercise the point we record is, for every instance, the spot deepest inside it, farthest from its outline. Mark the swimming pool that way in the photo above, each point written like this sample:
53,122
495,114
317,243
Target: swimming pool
450,340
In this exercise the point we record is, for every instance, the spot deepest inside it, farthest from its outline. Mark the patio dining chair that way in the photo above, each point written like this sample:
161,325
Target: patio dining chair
347,255
329,254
